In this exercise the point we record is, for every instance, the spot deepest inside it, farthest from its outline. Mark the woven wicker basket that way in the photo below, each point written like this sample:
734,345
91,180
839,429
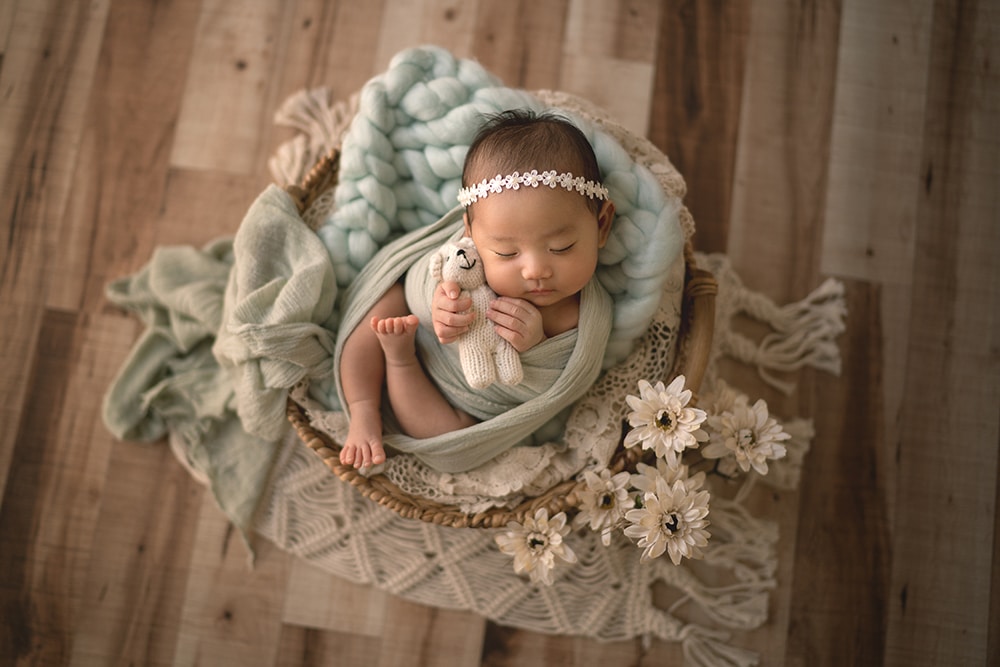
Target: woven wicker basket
694,339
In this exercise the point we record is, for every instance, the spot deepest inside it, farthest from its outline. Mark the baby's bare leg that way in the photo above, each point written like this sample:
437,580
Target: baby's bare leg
362,374
420,408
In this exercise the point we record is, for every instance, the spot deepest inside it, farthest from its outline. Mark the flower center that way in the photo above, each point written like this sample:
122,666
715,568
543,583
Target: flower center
537,542
671,522
607,501
665,420
745,439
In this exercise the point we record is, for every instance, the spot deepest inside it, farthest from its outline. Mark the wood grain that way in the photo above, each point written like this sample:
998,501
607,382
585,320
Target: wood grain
698,89
953,341
844,138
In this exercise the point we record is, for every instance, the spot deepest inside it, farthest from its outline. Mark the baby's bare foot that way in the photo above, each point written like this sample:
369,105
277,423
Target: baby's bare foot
396,335
363,446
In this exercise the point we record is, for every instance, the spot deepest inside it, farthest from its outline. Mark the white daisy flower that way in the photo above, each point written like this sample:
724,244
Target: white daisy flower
646,475
749,434
721,398
672,520
603,502
661,420
536,544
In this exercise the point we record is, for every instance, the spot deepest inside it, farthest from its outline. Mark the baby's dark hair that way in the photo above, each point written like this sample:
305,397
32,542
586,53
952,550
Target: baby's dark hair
522,140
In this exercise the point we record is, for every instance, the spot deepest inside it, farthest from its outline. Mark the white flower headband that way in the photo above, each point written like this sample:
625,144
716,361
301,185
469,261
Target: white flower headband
473,193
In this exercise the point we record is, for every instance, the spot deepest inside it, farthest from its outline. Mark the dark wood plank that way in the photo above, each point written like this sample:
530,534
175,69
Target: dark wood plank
135,585
308,647
698,88
134,108
333,44
35,585
838,613
48,64
509,647
521,44
940,602
417,634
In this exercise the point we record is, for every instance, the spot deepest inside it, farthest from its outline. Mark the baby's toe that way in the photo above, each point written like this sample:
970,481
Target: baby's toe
347,456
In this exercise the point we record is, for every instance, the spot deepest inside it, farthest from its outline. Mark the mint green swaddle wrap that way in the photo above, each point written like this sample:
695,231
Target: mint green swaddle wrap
556,372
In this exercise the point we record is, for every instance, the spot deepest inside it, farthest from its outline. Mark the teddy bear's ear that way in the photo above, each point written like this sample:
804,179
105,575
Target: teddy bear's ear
437,261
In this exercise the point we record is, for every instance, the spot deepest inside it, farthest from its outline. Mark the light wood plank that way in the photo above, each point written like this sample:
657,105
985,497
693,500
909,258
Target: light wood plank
785,126
317,599
400,28
443,23
876,141
200,206
228,100
231,614
620,87
429,637
450,25
7,10
623,29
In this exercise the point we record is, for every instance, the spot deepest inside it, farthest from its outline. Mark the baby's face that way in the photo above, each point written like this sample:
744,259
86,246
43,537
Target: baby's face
538,244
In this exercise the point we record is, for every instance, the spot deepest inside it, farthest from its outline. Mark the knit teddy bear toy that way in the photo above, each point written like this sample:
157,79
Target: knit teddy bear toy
485,356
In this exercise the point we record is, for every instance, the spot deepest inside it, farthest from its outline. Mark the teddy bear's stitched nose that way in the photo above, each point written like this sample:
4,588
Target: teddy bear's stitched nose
465,262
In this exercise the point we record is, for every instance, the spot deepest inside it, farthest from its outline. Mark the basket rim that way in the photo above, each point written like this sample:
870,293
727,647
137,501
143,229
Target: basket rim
694,346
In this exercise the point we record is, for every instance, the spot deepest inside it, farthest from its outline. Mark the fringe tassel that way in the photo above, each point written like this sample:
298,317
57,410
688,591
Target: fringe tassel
804,331
706,648
320,123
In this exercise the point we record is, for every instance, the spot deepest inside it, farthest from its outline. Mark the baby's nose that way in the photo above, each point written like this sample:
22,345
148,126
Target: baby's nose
535,268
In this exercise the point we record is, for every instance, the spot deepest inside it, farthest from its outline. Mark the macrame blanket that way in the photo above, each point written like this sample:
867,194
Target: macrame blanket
235,326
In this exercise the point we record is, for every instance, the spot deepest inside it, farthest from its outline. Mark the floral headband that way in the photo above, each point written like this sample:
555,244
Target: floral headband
473,193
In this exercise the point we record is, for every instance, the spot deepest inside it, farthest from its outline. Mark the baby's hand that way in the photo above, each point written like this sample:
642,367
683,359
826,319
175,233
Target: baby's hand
517,321
451,312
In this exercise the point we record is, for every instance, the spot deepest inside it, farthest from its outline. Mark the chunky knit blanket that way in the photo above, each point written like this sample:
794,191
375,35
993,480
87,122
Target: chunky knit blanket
401,167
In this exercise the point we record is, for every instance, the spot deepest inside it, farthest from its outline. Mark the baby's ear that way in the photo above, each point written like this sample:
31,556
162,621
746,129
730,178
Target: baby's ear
605,216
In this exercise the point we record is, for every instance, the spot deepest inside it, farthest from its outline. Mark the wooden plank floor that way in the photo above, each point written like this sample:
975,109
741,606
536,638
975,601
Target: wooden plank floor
853,139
